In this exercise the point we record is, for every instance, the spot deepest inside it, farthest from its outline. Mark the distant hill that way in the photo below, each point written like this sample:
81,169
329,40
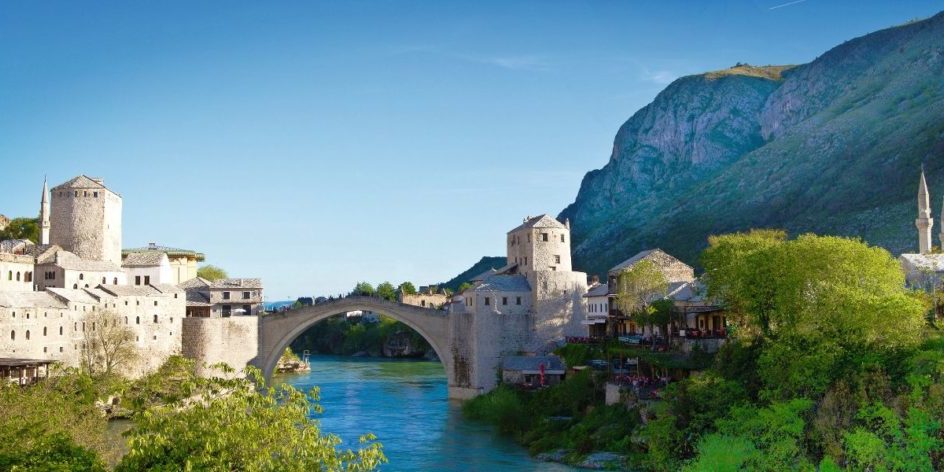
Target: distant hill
481,266
833,146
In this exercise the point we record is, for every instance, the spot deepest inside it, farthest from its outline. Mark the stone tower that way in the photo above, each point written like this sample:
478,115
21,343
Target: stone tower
44,215
541,243
86,219
924,222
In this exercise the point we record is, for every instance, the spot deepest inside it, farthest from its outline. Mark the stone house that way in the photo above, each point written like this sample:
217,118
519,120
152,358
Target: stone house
427,297
145,268
532,371
182,262
223,298
58,268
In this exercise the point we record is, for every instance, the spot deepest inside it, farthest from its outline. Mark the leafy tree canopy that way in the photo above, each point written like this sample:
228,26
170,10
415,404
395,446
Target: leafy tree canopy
22,228
407,288
364,289
211,273
386,291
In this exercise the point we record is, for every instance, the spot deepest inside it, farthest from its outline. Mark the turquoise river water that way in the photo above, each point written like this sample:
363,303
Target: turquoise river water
404,403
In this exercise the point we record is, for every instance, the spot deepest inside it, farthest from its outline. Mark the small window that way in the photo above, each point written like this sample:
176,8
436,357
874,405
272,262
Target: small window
504,300
562,238
95,194
155,318
104,280
155,302
518,301
487,301
225,295
60,348
137,320
137,280
12,335
60,331
75,286
27,335
44,330
246,295
115,281
557,259
17,276
81,276
544,237
147,280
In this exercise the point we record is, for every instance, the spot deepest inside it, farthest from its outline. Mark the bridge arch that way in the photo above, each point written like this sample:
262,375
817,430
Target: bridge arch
277,331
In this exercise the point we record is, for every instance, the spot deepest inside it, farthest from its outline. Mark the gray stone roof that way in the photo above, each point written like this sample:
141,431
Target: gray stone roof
31,300
657,256
143,259
194,283
74,295
167,288
236,283
70,261
130,290
170,251
598,290
81,181
532,364
195,298
16,246
504,283
542,221
924,262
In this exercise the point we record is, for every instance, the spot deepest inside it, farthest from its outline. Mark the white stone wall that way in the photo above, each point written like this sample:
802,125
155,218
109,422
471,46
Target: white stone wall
16,273
558,306
86,222
234,341
76,279
528,249
56,333
160,274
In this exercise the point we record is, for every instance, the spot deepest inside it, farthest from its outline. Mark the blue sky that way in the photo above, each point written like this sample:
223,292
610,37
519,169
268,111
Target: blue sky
317,144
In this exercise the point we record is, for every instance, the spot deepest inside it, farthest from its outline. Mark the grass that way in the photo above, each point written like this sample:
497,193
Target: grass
769,72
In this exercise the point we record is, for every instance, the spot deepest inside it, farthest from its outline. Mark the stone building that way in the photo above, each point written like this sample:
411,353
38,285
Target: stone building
528,305
925,269
426,297
182,262
144,268
58,268
85,219
223,298
52,324
16,266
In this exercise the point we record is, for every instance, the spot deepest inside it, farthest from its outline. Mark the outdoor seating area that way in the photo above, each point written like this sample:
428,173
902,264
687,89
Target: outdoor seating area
23,371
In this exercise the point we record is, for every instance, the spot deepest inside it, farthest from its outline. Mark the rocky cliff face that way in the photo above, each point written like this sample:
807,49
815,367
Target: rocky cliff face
833,146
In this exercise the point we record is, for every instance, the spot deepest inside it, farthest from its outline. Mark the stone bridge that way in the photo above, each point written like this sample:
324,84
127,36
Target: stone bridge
278,330
260,341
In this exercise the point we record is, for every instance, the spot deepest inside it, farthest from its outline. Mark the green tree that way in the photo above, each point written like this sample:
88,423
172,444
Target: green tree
821,304
211,273
407,288
386,291
637,288
463,287
363,289
259,429
22,228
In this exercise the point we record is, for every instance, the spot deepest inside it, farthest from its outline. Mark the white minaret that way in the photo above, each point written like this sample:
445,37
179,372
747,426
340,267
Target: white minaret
924,222
44,215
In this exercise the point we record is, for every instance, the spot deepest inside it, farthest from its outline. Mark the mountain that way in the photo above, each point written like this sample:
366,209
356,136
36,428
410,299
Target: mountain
834,146
486,263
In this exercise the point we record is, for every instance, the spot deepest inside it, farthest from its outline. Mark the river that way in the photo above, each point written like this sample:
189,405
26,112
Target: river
404,403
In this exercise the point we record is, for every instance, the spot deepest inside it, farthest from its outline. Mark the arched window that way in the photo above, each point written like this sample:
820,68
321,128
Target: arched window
29,276
10,275
27,335
116,281
17,276
75,286
104,280
81,276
